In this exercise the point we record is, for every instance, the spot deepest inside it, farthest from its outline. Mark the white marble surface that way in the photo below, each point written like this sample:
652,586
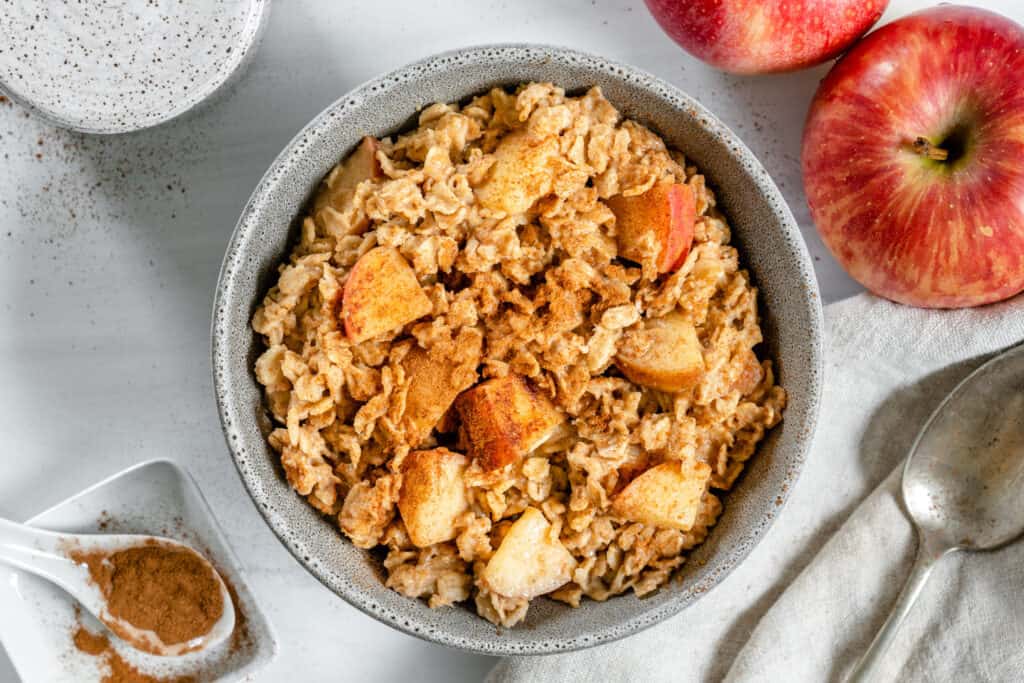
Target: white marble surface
110,247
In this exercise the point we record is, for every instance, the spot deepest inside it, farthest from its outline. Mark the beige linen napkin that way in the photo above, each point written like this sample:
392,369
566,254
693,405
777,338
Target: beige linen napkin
841,565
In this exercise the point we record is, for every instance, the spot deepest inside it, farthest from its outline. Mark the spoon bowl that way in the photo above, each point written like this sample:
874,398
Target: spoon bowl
963,483
60,558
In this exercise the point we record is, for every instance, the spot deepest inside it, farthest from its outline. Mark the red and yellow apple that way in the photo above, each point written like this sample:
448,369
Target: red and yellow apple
763,36
662,217
913,159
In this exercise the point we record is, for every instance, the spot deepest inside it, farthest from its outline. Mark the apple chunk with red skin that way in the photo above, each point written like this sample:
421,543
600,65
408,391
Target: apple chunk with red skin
763,36
664,215
913,159
381,294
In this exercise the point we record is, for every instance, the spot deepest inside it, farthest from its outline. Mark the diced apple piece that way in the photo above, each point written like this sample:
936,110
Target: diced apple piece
380,295
433,495
751,373
520,175
530,561
667,495
432,390
665,214
449,422
673,359
339,187
342,181
503,419
361,165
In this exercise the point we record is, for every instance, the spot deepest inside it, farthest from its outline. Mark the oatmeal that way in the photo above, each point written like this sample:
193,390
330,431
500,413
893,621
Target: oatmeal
514,348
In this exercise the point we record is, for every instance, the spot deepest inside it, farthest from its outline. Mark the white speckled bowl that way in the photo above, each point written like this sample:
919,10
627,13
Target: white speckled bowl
115,66
772,249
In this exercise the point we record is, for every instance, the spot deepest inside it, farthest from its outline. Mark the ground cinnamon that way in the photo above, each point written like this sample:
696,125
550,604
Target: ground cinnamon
118,670
159,588
91,643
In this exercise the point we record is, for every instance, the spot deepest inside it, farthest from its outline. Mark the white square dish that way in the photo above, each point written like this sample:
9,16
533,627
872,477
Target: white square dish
156,497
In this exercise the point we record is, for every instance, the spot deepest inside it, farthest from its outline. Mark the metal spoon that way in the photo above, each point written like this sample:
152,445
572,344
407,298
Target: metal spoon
963,482
48,554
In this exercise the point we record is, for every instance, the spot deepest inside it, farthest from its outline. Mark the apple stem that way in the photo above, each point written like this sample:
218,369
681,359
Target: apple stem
925,148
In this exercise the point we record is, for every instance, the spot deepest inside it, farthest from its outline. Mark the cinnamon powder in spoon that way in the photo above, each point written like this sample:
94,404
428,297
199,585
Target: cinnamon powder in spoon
160,588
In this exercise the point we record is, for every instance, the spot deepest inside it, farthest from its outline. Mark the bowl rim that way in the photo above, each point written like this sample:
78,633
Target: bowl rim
220,343
249,39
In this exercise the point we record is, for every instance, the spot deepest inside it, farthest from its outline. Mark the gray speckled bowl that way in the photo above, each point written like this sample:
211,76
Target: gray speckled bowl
772,249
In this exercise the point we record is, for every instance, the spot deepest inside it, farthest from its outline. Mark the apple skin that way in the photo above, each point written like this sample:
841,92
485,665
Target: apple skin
920,231
683,206
765,36
669,211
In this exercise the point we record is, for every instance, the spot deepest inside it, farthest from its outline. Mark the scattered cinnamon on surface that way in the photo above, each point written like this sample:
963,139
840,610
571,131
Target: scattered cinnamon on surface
119,670
160,588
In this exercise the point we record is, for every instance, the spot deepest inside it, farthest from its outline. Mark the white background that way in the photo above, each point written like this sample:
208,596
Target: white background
110,247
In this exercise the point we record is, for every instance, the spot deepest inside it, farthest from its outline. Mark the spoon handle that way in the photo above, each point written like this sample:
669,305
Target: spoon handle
928,554
34,550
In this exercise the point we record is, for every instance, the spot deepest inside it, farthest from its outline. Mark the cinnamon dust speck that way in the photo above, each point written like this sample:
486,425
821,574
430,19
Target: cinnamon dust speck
91,643
105,520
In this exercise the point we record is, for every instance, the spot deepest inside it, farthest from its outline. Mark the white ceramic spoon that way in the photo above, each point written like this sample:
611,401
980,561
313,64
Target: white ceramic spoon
46,554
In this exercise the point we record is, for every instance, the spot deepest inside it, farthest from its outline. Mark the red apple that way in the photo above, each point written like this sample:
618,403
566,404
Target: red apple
913,159
669,211
764,36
